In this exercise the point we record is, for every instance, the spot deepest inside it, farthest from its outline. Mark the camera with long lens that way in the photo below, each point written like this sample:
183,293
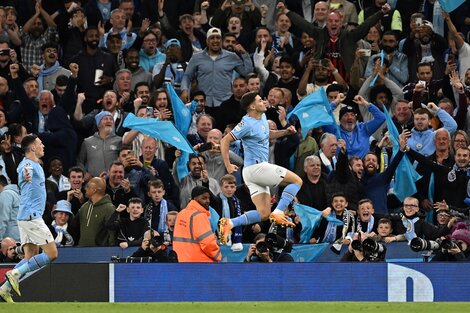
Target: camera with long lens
372,250
371,246
156,241
448,244
262,247
276,242
419,244
18,249
356,245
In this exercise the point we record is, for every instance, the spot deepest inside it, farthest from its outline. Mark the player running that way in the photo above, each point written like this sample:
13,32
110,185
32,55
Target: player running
258,174
34,233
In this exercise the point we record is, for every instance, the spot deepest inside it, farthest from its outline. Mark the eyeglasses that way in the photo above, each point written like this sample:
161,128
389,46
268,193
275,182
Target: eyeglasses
150,40
410,206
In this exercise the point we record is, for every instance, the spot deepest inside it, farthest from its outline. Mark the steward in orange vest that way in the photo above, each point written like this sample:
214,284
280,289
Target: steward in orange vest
193,239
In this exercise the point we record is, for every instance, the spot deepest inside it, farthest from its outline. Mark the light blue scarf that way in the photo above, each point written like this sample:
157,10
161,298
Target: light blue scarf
163,212
237,232
44,72
410,227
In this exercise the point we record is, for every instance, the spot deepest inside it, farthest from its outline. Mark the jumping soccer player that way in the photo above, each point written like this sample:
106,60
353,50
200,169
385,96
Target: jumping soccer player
254,132
33,231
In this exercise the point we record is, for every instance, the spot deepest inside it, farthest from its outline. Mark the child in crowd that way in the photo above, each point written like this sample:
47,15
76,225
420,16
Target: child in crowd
385,231
130,229
61,214
329,231
156,210
229,206
170,224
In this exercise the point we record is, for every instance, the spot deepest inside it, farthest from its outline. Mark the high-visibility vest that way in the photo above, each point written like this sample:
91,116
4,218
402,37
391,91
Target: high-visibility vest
193,239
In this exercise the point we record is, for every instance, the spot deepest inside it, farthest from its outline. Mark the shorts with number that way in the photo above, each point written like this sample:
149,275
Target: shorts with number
259,177
35,232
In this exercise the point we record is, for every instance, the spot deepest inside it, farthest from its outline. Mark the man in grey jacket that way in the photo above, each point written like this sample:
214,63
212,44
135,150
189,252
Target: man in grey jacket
100,150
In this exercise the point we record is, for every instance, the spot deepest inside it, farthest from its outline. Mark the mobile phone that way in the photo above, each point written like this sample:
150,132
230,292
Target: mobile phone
150,111
419,21
204,147
367,52
422,82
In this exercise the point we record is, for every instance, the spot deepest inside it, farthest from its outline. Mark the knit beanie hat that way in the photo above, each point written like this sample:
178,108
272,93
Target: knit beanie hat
461,233
100,116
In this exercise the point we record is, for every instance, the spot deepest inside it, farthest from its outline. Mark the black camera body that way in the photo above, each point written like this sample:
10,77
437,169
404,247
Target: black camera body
372,249
448,244
262,247
156,241
275,241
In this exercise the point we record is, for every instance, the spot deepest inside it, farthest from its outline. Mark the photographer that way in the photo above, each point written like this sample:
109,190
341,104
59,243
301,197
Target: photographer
152,246
266,249
364,249
9,251
455,249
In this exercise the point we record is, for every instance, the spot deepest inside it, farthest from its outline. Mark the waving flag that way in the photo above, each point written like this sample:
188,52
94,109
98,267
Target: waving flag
163,130
450,5
374,80
183,116
314,111
310,219
405,174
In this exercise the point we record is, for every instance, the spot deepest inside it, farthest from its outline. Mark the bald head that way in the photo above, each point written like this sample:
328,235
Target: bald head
7,242
214,136
99,184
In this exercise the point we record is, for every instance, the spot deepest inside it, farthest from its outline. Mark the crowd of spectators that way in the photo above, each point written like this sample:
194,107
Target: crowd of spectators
72,72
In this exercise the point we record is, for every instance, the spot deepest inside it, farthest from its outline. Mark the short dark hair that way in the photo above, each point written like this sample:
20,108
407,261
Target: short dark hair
423,111
247,99
198,93
77,169
140,84
135,200
3,180
365,200
27,141
376,90
338,194
116,163
61,80
49,45
423,64
156,183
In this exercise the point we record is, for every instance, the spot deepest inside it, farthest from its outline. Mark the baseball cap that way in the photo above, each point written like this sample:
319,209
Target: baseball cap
214,31
172,42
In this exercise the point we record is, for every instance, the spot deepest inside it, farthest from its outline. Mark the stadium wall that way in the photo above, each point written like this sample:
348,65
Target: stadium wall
120,282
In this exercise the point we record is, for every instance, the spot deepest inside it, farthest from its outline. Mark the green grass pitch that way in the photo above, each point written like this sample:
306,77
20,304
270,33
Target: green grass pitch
238,307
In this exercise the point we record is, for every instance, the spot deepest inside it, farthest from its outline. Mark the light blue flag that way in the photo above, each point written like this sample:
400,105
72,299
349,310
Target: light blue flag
183,116
450,5
214,219
163,130
310,219
405,174
374,80
430,213
314,111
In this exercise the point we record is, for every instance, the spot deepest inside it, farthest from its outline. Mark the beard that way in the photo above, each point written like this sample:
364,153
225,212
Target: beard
388,49
92,44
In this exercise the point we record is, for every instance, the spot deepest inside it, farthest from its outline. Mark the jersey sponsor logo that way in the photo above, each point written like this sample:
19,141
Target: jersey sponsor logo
239,126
